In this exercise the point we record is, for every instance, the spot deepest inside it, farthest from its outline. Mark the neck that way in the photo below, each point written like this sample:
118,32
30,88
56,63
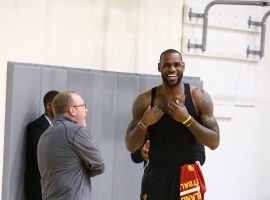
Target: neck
49,115
71,117
172,91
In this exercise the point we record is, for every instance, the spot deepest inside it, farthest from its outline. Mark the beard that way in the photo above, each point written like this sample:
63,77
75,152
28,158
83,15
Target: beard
171,85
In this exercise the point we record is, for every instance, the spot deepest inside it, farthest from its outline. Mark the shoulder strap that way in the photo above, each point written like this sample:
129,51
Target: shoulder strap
153,95
187,90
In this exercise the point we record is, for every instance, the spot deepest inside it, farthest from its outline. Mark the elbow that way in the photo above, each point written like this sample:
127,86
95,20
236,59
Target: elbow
97,170
214,145
130,149
101,168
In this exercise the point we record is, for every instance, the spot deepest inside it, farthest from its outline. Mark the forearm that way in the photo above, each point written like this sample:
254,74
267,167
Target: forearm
135,138
204,135
88,152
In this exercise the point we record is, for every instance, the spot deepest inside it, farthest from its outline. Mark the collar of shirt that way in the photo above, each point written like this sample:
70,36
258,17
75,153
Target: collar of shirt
50,122
60,117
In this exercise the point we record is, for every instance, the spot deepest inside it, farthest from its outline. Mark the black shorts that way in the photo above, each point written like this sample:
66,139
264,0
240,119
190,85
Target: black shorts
160,183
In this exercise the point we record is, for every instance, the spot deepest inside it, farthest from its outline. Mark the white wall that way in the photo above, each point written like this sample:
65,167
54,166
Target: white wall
238,169
128,36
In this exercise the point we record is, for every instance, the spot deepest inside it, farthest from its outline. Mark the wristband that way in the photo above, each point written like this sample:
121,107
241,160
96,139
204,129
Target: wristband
142,125
190,122
186,120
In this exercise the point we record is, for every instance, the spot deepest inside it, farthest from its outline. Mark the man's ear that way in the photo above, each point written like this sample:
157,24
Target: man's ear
159,67
49,106
72,111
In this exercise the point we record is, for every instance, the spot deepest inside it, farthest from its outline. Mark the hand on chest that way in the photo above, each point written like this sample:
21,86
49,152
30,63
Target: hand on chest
165,103
174,107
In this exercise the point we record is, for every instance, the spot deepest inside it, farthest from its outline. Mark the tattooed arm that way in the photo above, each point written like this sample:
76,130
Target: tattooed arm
206,133
142,112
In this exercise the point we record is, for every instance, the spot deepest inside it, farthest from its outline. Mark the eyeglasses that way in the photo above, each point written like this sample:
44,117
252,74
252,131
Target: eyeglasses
82,105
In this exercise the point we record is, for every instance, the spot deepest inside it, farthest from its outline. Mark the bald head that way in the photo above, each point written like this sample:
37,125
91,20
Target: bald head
70,105
63,101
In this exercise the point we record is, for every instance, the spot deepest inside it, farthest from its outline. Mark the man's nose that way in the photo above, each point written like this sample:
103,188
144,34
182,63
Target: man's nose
172,68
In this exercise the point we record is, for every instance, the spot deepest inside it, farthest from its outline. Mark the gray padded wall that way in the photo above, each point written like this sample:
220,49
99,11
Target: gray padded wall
109,97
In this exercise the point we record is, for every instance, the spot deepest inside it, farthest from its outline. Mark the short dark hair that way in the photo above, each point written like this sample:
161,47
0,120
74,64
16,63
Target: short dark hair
49,96
169,51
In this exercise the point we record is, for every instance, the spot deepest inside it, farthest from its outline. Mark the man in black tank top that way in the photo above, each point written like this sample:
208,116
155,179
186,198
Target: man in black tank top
176,116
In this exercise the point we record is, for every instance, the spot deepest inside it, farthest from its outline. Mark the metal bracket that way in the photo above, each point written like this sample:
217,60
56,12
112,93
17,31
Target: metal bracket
253,23
205,16
252,52
196,15
262,42
193,46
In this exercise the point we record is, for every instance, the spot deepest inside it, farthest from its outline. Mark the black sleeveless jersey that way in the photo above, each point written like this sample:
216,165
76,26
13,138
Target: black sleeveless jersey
172,144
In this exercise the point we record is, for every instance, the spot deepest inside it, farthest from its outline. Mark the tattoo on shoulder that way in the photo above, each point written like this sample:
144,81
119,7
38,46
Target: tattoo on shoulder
208,118
207,103
139,106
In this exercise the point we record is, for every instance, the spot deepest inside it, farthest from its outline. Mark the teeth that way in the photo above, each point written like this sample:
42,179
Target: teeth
171,75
